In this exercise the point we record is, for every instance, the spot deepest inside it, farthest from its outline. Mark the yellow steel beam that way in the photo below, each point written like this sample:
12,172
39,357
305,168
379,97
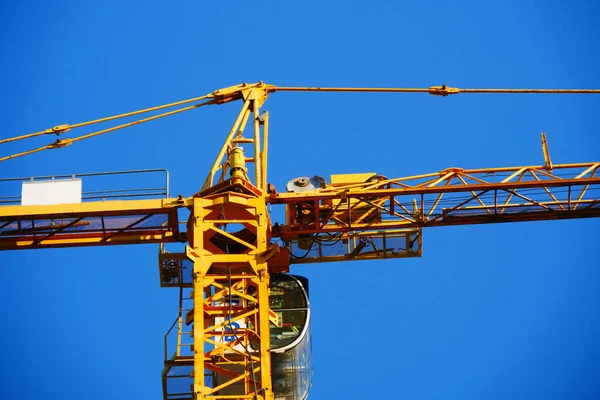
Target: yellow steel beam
241,116
199,284
96,239
287,198
97,208
257,150
264,153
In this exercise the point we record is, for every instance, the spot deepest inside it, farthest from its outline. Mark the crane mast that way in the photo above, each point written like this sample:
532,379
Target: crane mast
232,247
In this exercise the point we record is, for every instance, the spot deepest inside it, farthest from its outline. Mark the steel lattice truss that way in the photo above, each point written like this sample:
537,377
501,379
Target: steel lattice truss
451,197
89,224
229,231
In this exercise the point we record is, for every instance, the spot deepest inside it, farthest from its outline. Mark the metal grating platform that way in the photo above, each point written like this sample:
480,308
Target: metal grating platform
85,224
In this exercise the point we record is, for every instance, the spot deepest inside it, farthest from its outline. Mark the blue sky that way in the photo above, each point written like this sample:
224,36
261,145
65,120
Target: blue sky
494,312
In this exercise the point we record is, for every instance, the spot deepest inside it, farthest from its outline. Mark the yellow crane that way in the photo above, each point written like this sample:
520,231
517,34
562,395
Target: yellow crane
243,327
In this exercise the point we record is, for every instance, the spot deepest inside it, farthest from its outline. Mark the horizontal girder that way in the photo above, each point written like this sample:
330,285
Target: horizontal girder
450,197
89,224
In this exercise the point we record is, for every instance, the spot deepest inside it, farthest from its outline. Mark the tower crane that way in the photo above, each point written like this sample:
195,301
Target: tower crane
243,326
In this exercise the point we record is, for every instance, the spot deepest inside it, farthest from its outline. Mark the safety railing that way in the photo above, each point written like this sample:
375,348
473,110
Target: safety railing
132,183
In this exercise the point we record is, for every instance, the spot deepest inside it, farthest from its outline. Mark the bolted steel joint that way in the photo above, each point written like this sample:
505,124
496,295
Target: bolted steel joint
443,90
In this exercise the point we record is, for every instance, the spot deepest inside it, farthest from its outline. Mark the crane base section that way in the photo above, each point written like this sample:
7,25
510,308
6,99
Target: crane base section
89,224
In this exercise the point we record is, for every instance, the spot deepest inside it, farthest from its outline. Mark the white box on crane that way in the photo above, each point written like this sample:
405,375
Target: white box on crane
41,193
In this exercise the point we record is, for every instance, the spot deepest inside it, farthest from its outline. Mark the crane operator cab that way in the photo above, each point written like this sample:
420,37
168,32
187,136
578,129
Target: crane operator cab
291,352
